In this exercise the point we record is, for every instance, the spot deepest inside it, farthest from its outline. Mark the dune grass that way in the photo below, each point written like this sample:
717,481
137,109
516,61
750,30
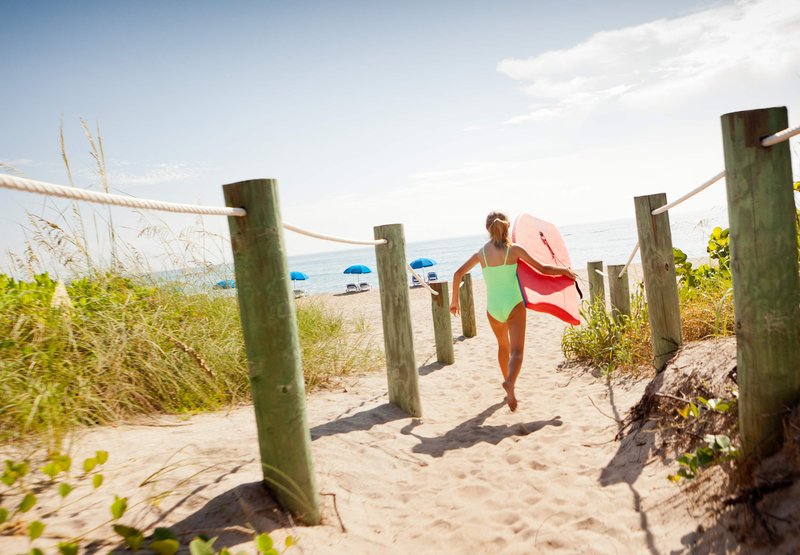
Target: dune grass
115,342
705,295
117,347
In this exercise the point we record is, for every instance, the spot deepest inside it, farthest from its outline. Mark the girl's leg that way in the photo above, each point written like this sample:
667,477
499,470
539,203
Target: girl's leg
500,330
517,322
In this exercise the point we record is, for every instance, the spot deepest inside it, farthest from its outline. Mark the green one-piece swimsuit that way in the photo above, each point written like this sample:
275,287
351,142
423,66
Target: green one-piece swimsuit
502,288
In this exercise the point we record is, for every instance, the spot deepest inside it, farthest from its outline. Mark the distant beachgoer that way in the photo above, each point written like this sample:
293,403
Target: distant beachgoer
504,305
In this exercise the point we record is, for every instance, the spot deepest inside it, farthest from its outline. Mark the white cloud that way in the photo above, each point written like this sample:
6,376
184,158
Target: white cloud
663,60
155,174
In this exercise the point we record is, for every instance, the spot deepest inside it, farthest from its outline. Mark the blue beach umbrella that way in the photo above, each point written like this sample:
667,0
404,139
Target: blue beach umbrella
225,284
297,276
422,263
357,269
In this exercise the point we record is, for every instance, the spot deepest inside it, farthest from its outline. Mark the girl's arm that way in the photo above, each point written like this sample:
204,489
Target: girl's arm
465,267
545,269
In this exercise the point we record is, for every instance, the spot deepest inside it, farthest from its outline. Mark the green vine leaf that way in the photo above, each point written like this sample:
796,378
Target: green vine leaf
133,536
199,546
118,507
35,529
101,456
27,503
68,548
165,547
64,489
264,543
97,481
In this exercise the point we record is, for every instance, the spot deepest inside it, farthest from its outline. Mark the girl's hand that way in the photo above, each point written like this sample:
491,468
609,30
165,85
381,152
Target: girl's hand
570,274
454,310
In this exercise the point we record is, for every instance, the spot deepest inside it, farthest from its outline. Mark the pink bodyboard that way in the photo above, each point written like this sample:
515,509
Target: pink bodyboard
556,295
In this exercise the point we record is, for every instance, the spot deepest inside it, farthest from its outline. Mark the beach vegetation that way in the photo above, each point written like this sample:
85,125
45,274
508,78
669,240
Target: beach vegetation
610,342
38,496
90,340
705,294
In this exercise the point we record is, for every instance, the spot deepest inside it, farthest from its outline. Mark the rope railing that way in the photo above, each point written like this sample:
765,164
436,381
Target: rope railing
630,259
74,193
781,136
690,194
422,281
333,238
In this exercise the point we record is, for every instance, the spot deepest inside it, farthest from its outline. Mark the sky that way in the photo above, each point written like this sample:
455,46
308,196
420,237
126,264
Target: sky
427,113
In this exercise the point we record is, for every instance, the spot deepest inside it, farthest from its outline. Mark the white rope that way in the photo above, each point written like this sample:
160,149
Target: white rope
333,237
781,136
74,193
42,188
422,281
630,259
690,194
601,272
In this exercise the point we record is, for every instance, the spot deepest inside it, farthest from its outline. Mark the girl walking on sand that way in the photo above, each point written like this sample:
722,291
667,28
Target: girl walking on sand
505,308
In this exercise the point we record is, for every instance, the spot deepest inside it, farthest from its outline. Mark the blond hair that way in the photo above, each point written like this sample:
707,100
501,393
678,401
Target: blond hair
497,225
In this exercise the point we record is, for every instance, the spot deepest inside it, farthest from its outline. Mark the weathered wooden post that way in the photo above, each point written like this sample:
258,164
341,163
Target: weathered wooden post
401,366
619,291
660,285
596,288
442,328
467,305
766,295
269,323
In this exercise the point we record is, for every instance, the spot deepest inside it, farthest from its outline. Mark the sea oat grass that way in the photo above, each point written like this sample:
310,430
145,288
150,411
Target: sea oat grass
126,347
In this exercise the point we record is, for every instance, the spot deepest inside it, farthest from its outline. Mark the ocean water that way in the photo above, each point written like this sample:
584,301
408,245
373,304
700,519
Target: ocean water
611,242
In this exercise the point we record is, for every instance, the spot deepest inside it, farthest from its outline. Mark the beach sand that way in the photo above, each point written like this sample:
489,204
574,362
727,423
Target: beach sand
469,476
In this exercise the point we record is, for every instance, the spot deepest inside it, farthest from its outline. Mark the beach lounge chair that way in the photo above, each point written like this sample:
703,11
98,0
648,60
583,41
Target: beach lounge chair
300,293
364,286
351,288
432,276
415,282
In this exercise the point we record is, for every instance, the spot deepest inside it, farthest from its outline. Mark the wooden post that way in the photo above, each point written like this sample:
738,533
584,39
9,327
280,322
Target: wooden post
401,366
442,327
660,285
596,288
467,305
766,296
269,323
619,291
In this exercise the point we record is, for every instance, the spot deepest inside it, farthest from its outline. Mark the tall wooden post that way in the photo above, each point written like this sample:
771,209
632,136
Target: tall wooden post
619,291
766,296
401,366
442,327
269,323
660,285
596,288
467,305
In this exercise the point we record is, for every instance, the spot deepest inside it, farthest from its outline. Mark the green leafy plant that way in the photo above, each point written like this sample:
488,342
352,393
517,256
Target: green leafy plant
162,540
609,342
717,449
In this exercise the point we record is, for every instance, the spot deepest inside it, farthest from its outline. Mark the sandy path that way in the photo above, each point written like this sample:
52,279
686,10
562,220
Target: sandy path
470,476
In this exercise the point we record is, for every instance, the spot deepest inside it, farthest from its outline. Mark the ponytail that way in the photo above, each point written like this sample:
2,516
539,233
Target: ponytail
497,225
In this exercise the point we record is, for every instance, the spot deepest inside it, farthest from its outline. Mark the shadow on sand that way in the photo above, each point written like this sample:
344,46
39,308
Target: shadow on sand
360,421
472,431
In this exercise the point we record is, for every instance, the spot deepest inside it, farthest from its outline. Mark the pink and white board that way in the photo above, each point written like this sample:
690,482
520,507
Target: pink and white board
556,295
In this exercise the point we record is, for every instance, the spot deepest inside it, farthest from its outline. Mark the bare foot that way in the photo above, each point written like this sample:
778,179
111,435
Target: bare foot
511,399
